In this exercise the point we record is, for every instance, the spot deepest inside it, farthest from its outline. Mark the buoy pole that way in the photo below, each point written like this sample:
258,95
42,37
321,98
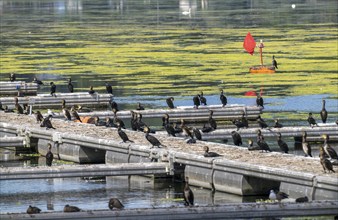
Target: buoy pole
261,46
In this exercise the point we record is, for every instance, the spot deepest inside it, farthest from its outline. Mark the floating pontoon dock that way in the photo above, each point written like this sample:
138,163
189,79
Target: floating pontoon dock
13,88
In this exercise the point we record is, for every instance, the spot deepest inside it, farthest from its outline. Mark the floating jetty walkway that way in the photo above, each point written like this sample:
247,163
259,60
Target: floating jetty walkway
236,171
13,88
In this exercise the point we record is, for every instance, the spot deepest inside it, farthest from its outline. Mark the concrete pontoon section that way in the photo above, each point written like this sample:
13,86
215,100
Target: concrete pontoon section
12,141
17,88
229,211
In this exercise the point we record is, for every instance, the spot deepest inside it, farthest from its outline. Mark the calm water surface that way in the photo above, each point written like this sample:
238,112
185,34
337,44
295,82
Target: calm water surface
37,25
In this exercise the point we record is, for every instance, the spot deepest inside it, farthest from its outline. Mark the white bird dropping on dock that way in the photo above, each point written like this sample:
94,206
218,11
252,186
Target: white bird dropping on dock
293,6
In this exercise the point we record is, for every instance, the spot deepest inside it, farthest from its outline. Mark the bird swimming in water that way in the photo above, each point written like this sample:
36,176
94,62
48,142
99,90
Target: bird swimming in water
52,88
188,194
70,86
277,124
49,156
69,208
109,88
251,146
261,142
170,102
33,210
223,98
282,144
12,77
139,106
302,199
115,203
207,153
311,120
305,145
323,113
196,101
274,62
197,133
123,135
18,107
259,101
277,196
327,165
203,100
91,90
38,116
329,151
153,140
236,137
47,123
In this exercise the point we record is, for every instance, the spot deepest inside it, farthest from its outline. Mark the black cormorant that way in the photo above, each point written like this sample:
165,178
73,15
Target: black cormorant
329,151
39,82
139,106
239,124
109,89
302,199
261,142
311,120
91,90
282,145
186,131
203,100
223,98
123,135
327,165
274,62
188,194
115,203
207,153
236,137
133,121
168,127
18,107
117,121
212,121
323,113
33,210
262,124
197,133
47,123
75,114
38,116
153,140
251,146
97,121
49,156
12,77
69,208
305,145
259,101
70,86
277,124
170,102
52,88
206,128
196,101
113,105
65,111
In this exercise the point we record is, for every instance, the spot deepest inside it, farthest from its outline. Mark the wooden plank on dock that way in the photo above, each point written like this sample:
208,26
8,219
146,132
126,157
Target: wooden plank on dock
12,88
226,211
122,169
48,101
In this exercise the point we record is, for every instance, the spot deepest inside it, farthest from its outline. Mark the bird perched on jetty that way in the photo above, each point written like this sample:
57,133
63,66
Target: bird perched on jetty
153,140
115,203
326,164
75,114
188,194
211,120
261,142
207,153
197,133
52,88
38,117
18,107
311,120
277,196
133,121
47,123
33,210
329,151
259,101
238,123
262,124
91,90
123,135
170,102
305,145
168,127
207,128
203,100
49,156
69,208
113,105
223,98
196,101
70,86
274,62
65,111
277,124
302,199
236,137
251,146
109,122
39,82
97,121
109,88
139,106
12,77
323,113
186,131
282,144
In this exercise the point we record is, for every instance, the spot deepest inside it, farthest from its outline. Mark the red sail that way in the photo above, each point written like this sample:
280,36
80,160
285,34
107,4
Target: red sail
249,43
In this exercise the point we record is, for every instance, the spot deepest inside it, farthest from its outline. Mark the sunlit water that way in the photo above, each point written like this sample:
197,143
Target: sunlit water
30,18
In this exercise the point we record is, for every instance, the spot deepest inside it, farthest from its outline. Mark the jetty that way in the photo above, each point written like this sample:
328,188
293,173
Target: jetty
227,211
43,101
237,170
18,88
12,142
